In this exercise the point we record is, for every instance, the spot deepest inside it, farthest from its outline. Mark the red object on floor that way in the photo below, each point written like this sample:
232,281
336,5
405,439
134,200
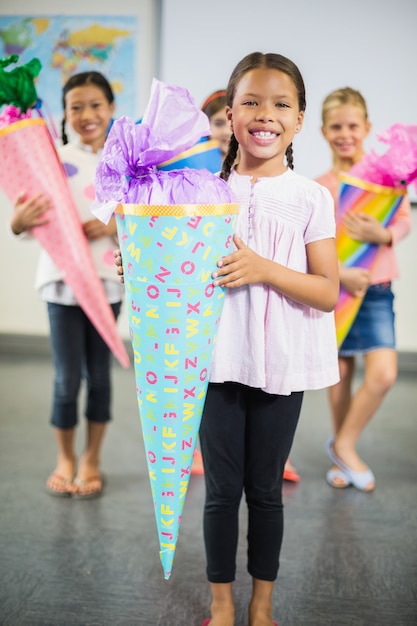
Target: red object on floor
197,466
290,473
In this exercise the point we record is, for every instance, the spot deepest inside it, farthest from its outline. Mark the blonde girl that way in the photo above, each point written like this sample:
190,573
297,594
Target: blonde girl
345,126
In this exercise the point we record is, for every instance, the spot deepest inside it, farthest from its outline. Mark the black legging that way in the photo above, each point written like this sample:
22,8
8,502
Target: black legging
246,436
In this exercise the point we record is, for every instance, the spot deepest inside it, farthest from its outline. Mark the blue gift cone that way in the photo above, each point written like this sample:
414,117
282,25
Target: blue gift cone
169,254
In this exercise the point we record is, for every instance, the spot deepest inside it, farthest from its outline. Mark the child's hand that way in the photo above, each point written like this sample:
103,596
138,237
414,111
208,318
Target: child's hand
355,280
29,212
365,228
95,229
242,267
119,264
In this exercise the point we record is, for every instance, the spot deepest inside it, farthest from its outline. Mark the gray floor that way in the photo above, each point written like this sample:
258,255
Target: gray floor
348,559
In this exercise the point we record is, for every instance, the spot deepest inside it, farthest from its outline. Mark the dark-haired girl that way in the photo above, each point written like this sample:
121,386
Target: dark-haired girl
78,350
276,335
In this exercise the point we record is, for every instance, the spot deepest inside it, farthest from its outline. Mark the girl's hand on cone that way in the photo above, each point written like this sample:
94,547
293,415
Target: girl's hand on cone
242,267
365,228
119,264
29,212
95,229
355,280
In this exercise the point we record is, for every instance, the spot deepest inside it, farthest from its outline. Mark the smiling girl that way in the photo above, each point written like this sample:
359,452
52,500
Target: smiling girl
276,336
77,348
372,335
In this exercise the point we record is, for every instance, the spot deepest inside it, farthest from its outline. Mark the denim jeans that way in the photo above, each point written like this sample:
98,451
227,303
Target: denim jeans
78,352
374,325
245,437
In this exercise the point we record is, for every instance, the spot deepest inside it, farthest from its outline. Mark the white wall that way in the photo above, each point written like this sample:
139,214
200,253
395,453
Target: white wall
368,45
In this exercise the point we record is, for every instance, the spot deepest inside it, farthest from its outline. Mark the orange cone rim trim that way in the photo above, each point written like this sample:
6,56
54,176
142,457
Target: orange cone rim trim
177,210
22,124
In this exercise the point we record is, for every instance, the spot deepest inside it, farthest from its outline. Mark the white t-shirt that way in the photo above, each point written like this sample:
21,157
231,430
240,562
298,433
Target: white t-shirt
80,164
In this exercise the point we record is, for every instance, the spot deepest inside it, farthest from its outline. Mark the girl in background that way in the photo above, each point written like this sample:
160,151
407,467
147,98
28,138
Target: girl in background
214,106
77,348
345,128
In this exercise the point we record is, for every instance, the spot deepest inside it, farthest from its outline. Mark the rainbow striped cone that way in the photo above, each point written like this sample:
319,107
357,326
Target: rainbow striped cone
359,196
169,254
30,162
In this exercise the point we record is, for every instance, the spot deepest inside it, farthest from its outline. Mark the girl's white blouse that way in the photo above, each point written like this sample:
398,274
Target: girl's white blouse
266,340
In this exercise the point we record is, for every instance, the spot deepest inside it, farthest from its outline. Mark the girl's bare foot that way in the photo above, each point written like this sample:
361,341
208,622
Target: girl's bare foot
61,480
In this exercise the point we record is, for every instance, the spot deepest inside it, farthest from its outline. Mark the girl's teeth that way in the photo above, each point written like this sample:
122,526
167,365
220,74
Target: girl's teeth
263,134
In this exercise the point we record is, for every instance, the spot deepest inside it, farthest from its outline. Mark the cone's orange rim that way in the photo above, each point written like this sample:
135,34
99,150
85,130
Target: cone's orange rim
177,210
373,187
38,121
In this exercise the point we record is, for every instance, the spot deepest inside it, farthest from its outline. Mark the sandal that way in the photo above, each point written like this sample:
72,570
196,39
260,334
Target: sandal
336,477
85,489
197,466
64,487
363,481
290,473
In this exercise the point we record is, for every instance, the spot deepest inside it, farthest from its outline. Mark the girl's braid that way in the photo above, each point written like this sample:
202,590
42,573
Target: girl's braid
229,158
290,158
63,133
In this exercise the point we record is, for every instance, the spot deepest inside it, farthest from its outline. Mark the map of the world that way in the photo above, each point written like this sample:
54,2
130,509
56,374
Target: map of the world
66,45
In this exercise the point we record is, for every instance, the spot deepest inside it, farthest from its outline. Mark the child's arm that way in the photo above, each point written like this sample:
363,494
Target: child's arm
29,212
95,229
363,227
355,280
318,289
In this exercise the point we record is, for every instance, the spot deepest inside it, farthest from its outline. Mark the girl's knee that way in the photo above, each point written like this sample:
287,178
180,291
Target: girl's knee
382,379
381,370
387,379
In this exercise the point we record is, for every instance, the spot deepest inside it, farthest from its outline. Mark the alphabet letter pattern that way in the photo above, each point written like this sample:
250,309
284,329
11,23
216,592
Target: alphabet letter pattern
173,312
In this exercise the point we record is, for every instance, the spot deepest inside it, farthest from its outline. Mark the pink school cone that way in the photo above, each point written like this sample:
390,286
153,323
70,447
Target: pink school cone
30,162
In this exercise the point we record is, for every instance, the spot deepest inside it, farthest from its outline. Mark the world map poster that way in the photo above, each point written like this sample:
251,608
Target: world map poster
66,45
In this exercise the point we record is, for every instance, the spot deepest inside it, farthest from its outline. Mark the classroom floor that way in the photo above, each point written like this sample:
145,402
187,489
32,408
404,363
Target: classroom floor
348,558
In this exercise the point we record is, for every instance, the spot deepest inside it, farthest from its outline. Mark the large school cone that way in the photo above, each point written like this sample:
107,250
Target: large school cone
359,196
30,162
169,254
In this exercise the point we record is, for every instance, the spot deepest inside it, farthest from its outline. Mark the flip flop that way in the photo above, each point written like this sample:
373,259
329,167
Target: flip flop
82,490
360,480
197,467
291,474
66,486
